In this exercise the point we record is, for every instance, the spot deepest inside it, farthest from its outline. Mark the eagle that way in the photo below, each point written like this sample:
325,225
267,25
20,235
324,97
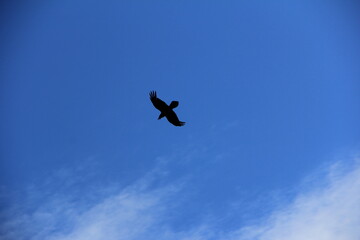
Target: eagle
166,110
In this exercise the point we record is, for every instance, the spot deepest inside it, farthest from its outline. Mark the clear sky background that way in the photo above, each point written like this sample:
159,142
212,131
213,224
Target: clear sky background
269,91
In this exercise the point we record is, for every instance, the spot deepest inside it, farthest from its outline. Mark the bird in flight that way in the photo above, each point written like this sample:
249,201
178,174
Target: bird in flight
166,110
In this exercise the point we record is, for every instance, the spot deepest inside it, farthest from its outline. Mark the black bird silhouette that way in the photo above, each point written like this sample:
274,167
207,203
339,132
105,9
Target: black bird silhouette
166,111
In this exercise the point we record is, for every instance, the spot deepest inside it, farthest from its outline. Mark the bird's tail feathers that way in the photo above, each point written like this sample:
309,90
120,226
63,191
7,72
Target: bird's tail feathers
161,116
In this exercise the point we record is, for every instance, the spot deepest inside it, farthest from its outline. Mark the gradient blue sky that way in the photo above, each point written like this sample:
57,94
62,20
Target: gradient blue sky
269,91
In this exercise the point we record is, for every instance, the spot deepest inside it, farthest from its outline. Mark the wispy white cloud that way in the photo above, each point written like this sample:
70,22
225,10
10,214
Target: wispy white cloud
128,215
329,209
132,212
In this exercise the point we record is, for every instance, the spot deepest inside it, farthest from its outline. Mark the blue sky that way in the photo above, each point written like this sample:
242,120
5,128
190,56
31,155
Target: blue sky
269,92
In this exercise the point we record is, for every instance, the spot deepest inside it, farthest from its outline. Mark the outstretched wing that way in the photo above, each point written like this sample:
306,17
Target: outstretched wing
172,118
157,102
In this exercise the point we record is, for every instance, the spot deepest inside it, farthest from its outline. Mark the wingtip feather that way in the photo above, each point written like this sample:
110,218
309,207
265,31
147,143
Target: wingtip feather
152,94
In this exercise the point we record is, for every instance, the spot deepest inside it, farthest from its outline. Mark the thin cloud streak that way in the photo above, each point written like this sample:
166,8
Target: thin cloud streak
329,209
329,212
129,213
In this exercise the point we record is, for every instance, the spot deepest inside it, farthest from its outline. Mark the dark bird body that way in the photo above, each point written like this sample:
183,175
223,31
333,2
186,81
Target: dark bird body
166,110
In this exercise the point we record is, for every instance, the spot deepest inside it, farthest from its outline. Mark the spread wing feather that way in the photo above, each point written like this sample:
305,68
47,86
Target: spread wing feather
173,118
157,102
